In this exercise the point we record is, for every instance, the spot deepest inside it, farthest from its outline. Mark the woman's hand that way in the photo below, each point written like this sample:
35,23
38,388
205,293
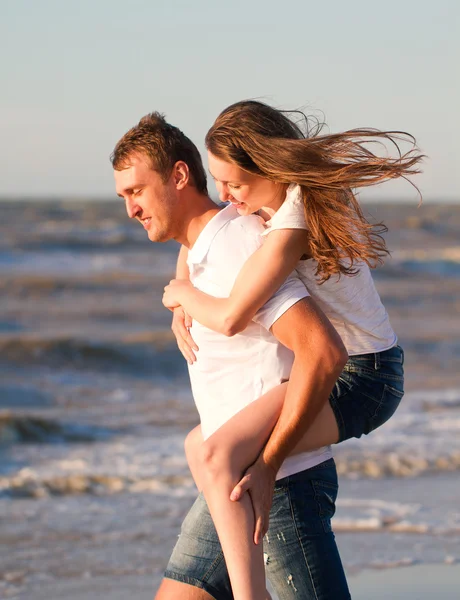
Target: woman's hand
181,324
259,480
173,292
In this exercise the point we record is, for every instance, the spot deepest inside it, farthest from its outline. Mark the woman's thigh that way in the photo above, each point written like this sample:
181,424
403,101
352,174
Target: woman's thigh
301,556
239,441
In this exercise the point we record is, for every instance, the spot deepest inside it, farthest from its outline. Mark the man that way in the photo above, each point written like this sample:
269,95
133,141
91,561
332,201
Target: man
159,173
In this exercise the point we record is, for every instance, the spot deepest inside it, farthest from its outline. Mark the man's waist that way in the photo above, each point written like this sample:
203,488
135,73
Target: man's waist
305,460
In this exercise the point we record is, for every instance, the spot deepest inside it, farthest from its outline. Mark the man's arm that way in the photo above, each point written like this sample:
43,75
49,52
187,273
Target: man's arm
181,322
182,271
319,359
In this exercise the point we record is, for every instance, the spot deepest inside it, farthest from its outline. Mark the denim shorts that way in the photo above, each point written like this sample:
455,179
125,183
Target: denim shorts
368,392
302,561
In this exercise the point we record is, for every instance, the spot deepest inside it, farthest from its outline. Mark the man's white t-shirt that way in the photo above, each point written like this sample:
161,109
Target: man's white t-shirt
232,372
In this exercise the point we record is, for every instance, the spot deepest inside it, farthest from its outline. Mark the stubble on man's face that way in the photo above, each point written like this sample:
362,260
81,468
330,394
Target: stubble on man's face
148,199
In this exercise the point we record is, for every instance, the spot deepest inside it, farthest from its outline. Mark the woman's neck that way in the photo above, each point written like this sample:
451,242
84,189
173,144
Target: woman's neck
267,212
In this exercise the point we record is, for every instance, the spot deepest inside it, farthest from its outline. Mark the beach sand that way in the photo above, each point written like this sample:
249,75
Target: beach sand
419,582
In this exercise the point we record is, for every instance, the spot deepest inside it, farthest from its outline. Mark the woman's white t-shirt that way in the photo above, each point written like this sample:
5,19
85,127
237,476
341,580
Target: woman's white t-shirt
351,303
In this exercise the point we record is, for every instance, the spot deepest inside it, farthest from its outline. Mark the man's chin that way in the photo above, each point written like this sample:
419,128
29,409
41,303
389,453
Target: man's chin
158,236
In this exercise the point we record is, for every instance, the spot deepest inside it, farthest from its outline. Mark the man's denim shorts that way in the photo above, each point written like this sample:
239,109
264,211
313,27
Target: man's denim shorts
301,556
368,392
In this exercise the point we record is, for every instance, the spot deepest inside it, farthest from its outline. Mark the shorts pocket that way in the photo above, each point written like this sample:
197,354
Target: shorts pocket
390,401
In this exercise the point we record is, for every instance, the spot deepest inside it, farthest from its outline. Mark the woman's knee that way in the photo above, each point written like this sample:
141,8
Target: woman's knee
192,444
215,460
210,458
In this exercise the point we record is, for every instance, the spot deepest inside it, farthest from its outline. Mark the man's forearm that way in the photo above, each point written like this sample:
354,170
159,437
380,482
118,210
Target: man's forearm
309,387
319,359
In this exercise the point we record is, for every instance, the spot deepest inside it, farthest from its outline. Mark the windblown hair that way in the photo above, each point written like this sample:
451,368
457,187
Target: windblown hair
271,143
164,145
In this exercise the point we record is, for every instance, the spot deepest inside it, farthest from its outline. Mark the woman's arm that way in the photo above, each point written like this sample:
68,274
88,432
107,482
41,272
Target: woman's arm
262,274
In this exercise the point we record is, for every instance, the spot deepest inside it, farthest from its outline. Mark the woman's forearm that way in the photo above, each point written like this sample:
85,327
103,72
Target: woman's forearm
211,312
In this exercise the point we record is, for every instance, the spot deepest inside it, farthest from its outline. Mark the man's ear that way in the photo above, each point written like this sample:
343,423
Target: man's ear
181,174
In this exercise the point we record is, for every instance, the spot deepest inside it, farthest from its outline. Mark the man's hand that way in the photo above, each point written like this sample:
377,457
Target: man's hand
259,480
181,324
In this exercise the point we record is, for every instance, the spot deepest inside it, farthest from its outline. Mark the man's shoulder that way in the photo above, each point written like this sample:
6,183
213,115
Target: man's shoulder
237,238
247,225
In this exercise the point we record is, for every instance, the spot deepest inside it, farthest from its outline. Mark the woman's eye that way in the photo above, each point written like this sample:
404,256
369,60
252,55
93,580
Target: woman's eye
234,187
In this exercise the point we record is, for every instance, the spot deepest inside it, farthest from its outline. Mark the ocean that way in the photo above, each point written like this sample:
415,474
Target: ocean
95,401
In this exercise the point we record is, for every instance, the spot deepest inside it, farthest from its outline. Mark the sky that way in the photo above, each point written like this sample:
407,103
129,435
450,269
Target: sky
75,75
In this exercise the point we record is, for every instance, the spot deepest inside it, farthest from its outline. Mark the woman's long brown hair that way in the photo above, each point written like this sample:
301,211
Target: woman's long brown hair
267,142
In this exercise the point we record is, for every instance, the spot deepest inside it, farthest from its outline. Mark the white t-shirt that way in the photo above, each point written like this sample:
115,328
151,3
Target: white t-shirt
232,372
351,303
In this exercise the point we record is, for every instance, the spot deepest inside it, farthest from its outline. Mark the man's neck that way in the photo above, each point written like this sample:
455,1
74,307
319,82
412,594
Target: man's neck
198,210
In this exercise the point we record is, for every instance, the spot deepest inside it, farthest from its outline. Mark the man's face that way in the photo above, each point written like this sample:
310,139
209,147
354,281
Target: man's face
148,199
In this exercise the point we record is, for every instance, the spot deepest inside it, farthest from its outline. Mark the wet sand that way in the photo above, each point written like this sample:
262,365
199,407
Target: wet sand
420,582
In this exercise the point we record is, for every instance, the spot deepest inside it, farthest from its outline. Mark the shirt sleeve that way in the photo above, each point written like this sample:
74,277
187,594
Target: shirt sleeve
291,214
291,292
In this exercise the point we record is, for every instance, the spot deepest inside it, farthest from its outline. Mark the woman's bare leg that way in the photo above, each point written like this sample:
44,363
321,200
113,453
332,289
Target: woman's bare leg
322,432
223,458
192,446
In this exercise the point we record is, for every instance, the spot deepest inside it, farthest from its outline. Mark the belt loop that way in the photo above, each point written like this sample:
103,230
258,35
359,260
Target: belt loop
377,361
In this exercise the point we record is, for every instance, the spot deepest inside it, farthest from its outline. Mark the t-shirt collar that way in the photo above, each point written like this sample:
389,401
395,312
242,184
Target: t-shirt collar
202,244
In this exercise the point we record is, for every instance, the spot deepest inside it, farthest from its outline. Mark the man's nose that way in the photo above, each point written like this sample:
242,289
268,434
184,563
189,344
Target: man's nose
132,208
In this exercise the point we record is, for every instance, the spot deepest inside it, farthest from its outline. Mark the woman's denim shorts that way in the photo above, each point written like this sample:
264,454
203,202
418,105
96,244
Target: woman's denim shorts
368,392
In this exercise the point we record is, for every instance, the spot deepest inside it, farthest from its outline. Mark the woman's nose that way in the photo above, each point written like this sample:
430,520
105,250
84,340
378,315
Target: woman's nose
224,194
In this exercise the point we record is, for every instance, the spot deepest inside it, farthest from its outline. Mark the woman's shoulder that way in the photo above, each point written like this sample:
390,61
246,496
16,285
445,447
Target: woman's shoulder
291,214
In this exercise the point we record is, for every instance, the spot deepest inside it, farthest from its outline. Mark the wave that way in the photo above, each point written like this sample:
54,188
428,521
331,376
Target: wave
440,401
438,262
31,429
26,485
428,255
144,353
44,284
10,326
14,396
379,464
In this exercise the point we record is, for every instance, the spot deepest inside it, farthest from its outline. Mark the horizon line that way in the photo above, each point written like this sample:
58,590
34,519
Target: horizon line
88,198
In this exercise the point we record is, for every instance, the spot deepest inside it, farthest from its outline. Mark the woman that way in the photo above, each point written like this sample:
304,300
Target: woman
302,187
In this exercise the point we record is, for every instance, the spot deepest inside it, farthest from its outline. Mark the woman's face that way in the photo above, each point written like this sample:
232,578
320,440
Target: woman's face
248,193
